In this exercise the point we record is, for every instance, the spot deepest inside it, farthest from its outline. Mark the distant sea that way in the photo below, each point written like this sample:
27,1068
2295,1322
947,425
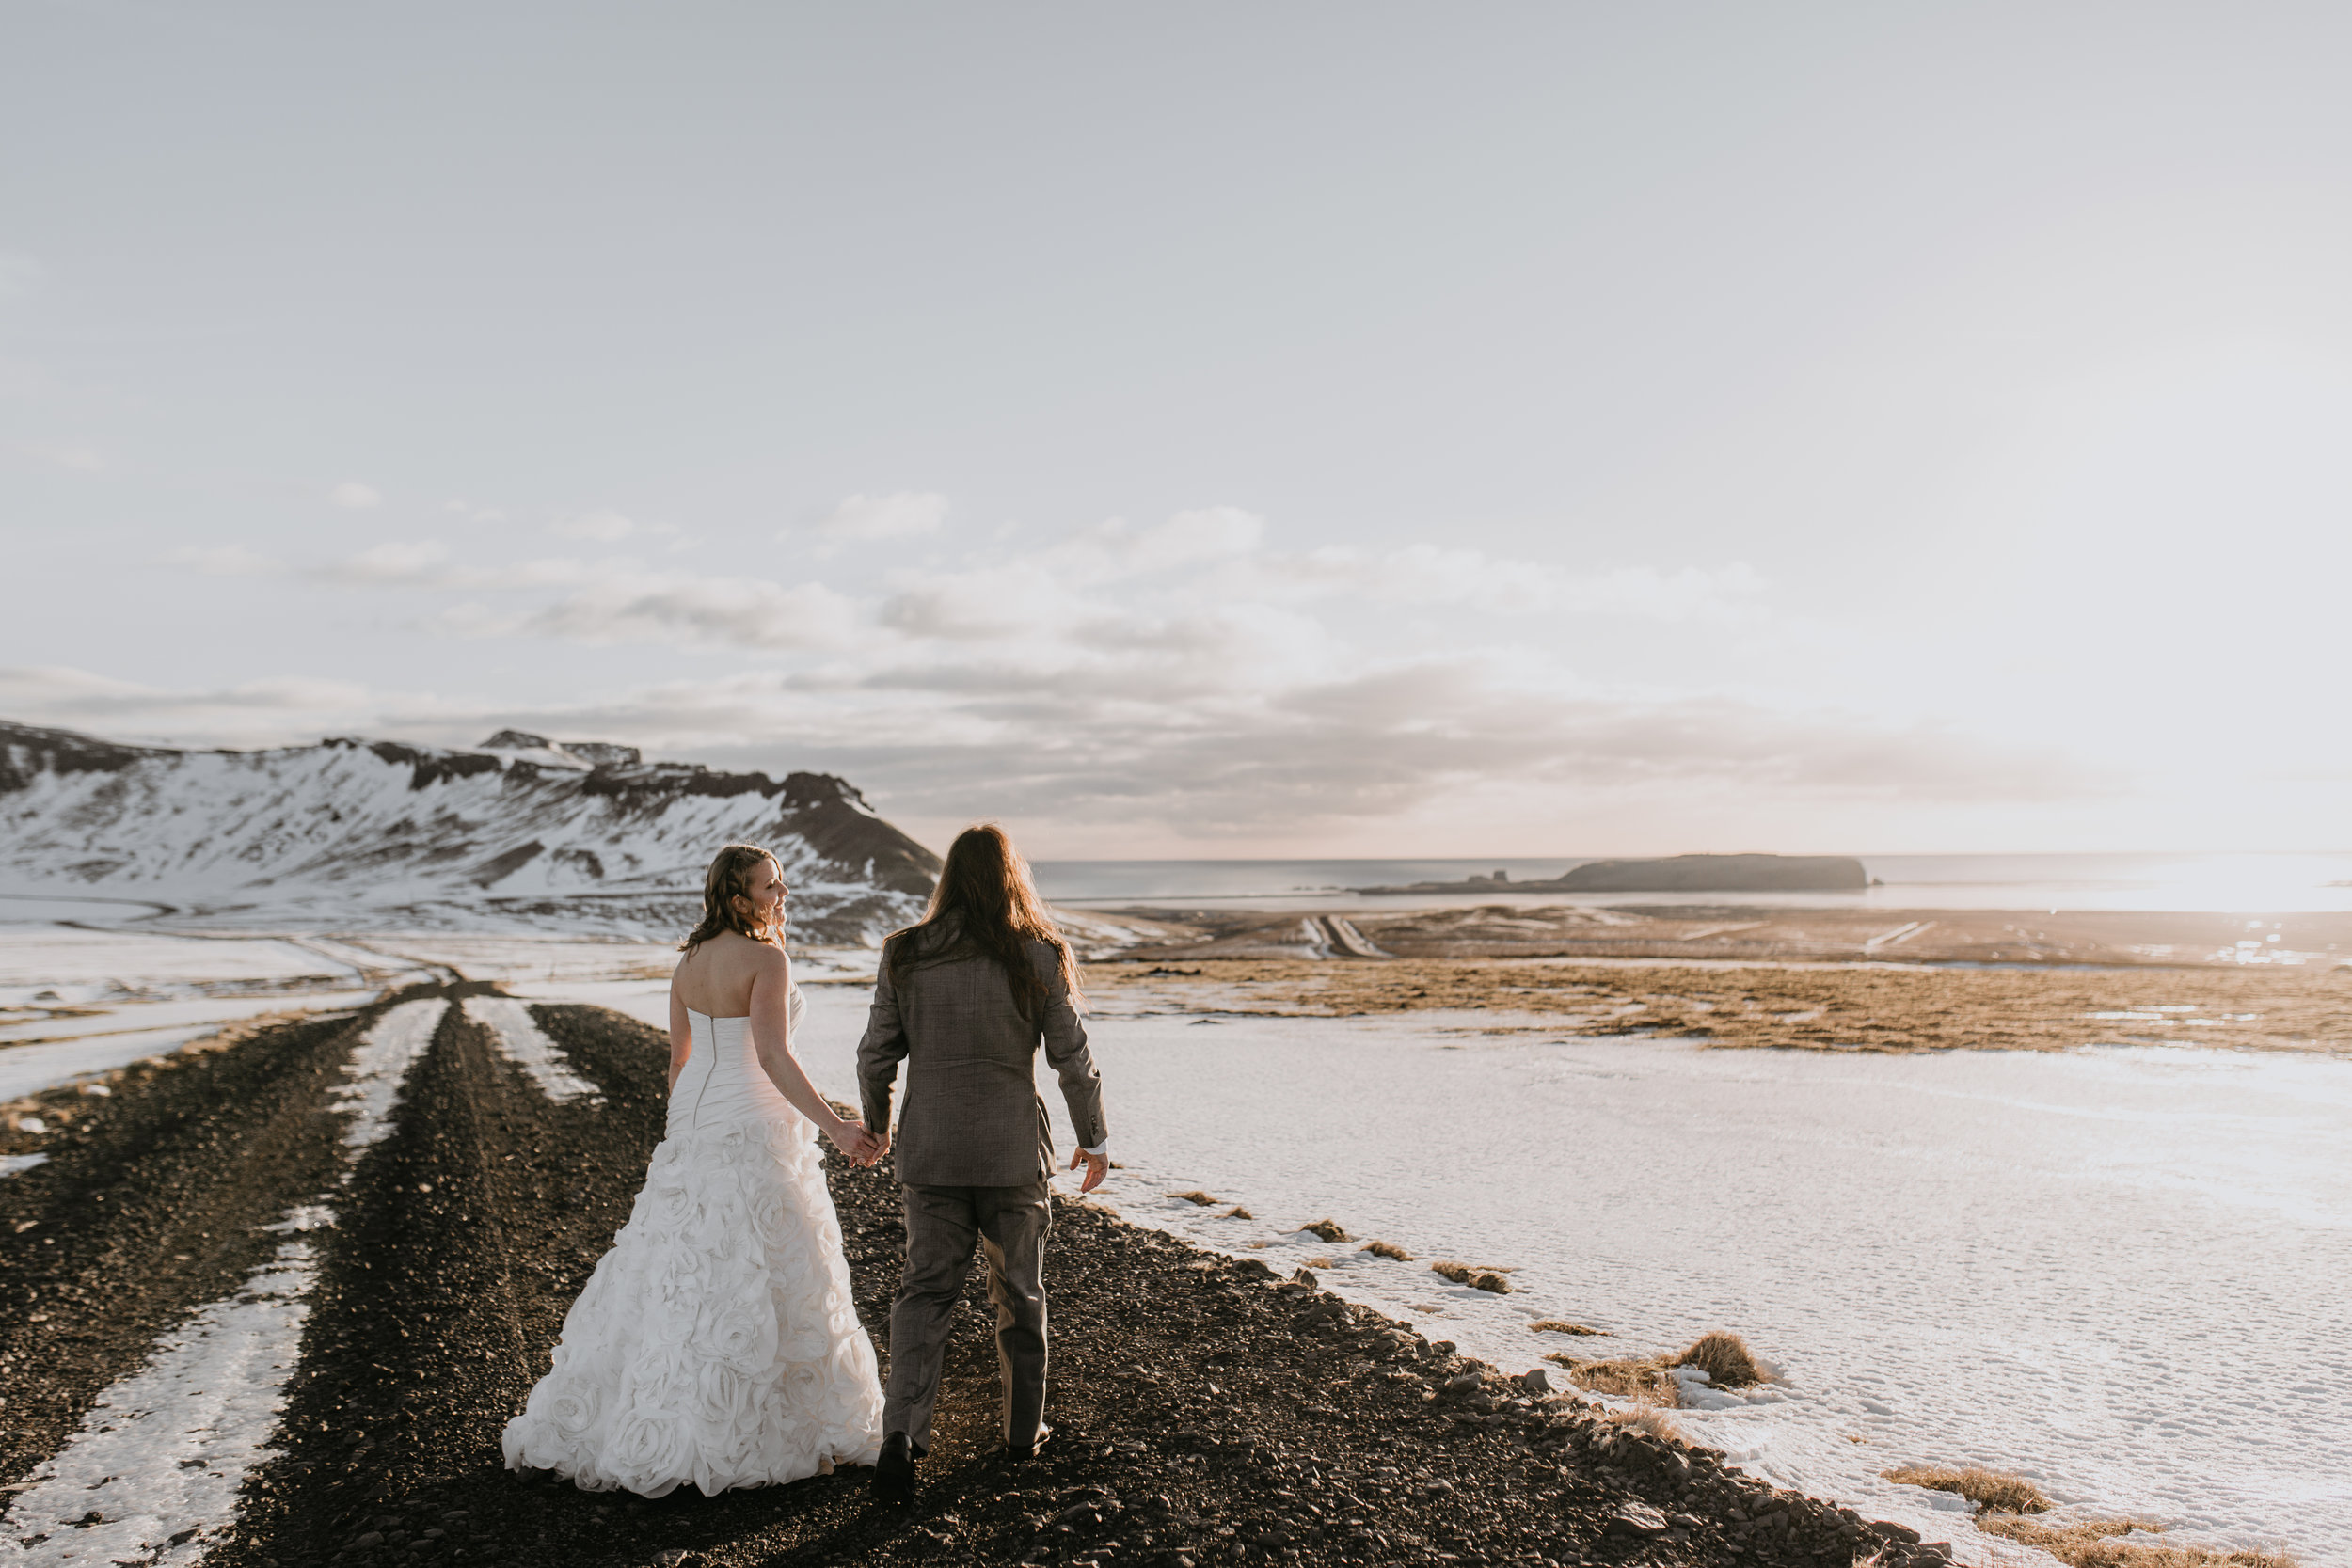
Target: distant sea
2269,883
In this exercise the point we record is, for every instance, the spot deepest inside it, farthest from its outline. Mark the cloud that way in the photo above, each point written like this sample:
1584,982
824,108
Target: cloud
742,613
224,560
984,603
355,496
1189,538
1186,677
604,526
428,564
1062,589
900,515
273,711
1435,575
413,563
1174,749
952,740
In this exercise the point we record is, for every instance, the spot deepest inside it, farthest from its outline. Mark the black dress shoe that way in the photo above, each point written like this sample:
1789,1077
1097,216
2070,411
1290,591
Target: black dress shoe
1029,1450
894,1472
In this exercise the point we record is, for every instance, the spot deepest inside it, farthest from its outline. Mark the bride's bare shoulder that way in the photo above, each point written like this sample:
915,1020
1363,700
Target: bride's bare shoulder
733,953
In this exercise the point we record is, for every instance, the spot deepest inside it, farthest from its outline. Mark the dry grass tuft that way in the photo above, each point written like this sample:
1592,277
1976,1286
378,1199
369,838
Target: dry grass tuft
1477,1280
1724,1359
1387,1250
1238,1213
2097,1544
1197,1196
1328,1229
1987,1489
1561,1326
1645,1379
1650,1419
1321,1263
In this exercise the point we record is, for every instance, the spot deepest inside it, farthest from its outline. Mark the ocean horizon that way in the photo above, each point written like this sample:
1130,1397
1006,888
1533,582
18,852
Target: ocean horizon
2281,882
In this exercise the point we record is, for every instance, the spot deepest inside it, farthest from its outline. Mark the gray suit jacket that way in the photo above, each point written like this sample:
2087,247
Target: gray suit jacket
972,1116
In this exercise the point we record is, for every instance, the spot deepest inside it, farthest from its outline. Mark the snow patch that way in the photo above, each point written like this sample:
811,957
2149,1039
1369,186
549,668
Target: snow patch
521,1042
380,1063
30,1069
162,1456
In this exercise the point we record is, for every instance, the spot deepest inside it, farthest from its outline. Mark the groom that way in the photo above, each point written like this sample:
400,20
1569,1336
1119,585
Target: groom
974,1161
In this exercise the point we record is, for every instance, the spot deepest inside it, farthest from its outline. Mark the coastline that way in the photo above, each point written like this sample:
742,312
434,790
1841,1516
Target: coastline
1721,928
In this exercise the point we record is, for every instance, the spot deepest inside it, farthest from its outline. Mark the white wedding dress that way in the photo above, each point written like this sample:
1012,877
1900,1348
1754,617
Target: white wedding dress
717,1343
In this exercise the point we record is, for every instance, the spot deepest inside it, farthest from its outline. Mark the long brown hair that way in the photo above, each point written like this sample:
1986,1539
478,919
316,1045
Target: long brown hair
985,905
729,878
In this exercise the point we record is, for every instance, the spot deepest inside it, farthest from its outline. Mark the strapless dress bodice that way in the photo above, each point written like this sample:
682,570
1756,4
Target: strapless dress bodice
722,1080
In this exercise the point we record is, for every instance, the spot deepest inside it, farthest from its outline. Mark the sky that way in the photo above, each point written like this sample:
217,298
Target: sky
1218,430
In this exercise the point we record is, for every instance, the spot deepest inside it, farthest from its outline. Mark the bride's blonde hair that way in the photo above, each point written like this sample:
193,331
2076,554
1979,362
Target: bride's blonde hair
729,878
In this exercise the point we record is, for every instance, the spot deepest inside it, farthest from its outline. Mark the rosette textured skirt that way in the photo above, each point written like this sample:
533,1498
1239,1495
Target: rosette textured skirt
717,1341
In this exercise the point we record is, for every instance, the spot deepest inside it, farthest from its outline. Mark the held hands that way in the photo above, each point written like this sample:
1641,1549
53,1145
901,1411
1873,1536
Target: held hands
859,1146
1098,1166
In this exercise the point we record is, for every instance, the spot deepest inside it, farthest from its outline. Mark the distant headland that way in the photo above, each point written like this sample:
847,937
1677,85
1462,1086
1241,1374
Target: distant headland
1674,874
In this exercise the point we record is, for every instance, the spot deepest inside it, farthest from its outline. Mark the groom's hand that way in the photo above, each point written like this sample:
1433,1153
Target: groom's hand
1098,1166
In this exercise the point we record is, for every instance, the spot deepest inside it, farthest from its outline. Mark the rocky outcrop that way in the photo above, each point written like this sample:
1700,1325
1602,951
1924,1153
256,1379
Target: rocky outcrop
375,832
589,752
1720,874
1674,874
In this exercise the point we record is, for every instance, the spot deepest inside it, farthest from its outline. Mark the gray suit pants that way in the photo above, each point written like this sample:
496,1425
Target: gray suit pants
1009,1225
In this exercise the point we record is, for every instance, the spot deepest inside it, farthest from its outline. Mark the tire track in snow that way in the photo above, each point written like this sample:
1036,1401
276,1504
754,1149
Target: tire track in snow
150,1203
518,1037
469,1231
159,1461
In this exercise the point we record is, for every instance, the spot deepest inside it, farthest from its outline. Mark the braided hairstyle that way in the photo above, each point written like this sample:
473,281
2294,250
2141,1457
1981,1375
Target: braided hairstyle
728,879
985,905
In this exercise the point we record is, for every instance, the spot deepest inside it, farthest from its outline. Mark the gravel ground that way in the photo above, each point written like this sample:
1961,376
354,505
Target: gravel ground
1206,1411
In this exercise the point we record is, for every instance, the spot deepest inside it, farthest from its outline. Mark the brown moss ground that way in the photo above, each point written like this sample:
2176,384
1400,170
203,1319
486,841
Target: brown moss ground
1848,1008
2099,1544
1988,1489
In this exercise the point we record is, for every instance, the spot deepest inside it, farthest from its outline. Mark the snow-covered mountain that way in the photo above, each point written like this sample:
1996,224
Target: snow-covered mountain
519,833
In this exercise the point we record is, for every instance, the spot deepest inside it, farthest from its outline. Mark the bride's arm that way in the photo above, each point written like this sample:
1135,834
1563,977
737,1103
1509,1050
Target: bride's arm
771,1034
681,1033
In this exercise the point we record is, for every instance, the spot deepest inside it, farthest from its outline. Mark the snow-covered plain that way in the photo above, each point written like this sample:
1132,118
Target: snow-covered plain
77,1004
2117,1272
45,966
27,1069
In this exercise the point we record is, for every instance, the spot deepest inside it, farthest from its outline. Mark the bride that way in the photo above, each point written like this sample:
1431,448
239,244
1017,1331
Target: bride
717,1343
